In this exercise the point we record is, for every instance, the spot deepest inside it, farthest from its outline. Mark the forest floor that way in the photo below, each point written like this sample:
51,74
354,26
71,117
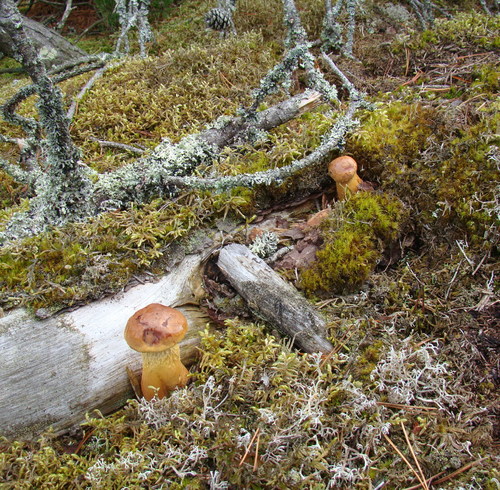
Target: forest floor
410,396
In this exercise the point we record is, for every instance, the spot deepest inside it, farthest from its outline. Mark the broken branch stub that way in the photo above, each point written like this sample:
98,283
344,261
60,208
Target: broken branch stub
273,299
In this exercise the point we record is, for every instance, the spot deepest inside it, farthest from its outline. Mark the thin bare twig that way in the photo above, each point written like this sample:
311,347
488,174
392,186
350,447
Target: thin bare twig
121,146
452,475
400,406
64,18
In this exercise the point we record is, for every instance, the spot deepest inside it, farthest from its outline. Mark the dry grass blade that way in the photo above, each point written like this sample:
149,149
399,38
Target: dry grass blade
435,481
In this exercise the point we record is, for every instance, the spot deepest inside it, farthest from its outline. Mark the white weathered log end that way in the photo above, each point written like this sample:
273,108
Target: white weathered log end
273,299
54,371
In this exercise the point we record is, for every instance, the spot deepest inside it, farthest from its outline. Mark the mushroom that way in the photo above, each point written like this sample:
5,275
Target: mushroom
155,331
343,171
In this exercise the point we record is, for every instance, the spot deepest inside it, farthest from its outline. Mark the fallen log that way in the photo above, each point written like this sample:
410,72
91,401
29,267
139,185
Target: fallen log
54,371
53,49
273,299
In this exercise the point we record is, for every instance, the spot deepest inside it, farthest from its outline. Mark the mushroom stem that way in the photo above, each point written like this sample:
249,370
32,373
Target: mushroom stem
162,372
352,185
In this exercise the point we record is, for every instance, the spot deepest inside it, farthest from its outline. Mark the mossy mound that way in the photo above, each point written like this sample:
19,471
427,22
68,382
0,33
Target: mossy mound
441,165
170,96
83,261
354,236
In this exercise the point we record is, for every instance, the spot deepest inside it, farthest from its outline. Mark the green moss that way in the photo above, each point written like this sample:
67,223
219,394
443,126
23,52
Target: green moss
470,28
354,237
395,131
170,96
82,261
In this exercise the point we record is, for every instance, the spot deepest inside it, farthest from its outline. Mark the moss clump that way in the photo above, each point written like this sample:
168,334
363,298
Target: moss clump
170,96
82,261
441,163
354,235
396,132
465,29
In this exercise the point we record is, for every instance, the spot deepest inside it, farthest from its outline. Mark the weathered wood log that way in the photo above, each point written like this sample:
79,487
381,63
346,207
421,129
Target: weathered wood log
55,370
53,49
273,299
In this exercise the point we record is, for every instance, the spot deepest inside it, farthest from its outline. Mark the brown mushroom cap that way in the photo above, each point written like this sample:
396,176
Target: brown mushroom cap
342,169
155,328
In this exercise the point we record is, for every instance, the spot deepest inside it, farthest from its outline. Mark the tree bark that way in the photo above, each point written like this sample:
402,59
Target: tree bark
54,371
273,299
53,49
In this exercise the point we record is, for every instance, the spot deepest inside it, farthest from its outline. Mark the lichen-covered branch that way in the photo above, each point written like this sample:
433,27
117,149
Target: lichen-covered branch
354,93
298,54
64,18
332,140
170,166
53,49
65,182
63,72
153,174
424,11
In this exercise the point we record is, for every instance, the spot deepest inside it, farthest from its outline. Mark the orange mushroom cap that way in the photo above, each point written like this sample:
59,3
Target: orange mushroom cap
155,328
342,169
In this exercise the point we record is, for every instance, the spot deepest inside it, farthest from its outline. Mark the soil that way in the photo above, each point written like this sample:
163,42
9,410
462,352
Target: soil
82,16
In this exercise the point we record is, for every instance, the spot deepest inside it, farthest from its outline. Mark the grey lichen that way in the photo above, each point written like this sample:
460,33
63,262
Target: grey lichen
150,176
264,245
133,13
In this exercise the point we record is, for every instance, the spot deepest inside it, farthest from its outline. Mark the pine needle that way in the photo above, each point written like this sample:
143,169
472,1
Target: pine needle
249,447
402,456
422,476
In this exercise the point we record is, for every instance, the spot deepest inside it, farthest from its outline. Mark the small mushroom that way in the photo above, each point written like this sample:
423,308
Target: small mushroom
343,171
155,331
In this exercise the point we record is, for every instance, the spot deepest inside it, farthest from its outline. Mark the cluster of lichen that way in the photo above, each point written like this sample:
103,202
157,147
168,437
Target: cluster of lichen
354,236
258,414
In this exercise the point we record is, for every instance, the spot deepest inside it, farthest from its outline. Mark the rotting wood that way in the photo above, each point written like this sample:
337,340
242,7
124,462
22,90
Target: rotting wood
273,299
53,48
54,371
